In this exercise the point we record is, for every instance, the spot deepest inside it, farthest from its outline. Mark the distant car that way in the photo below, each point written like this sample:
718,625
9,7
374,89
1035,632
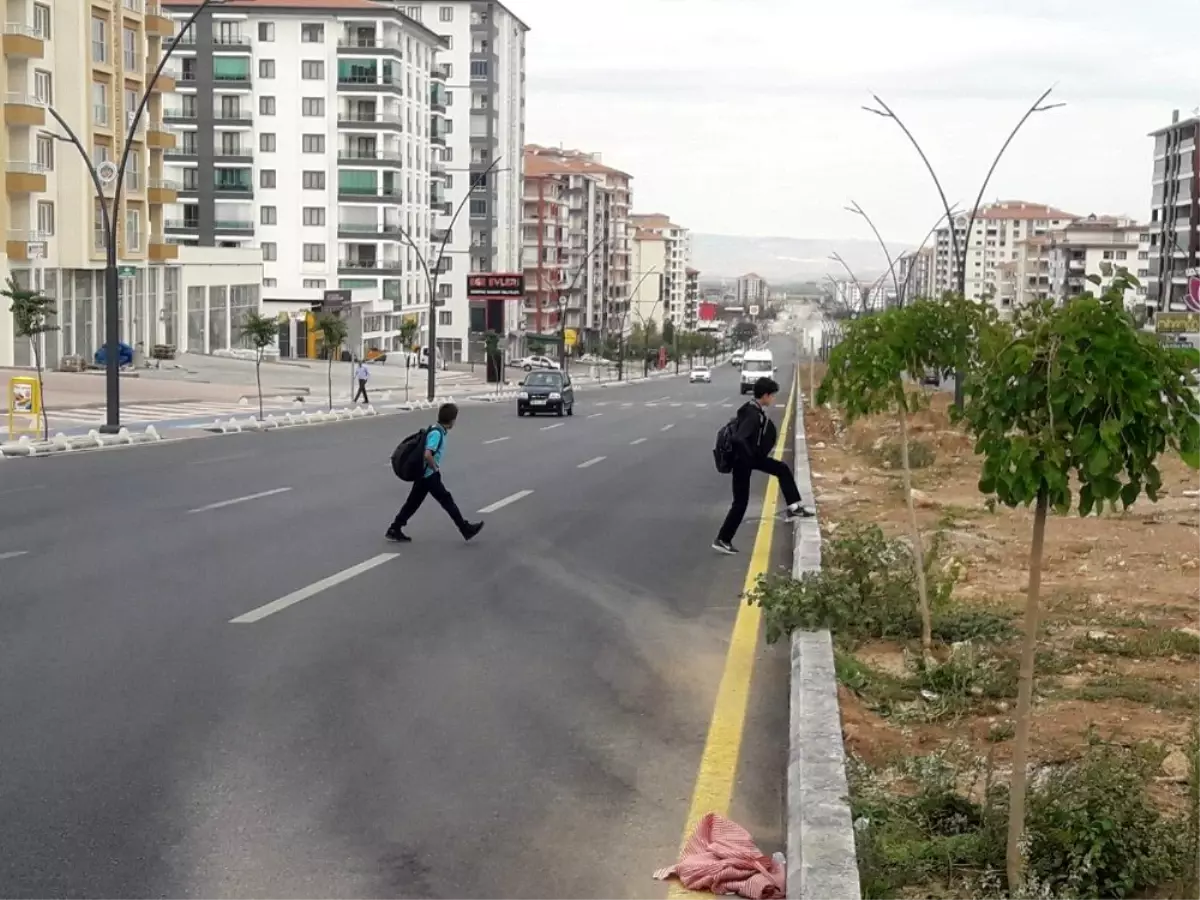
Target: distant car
700,373
932,378
529,363
546,392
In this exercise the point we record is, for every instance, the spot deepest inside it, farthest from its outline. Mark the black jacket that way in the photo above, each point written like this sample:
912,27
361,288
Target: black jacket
755,435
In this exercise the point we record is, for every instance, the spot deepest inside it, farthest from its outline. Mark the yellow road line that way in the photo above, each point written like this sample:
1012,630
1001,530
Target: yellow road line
719,762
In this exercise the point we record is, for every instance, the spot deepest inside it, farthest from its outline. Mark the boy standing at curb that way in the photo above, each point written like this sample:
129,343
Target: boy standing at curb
430,484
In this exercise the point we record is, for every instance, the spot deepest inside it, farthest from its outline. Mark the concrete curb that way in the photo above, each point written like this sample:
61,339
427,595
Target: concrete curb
821,857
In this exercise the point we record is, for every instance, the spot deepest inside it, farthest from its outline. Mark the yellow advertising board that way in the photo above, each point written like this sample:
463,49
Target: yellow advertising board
1177,322
24,405
570,337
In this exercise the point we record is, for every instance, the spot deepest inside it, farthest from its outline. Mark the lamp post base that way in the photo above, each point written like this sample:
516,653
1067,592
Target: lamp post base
109,429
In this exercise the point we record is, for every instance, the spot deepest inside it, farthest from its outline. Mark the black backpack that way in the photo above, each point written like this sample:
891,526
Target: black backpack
725,451
408,459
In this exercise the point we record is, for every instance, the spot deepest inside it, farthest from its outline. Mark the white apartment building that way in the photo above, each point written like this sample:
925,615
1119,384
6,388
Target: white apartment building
310,133
651,263
1174,249
997,230
598,277
483,63
753,290
678,253
91,64
914,271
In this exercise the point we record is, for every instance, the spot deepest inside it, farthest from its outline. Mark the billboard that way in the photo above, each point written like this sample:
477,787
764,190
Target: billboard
709,312
495,285
1177,322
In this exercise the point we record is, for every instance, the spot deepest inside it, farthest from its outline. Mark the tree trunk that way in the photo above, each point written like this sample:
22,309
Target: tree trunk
37,362
329,377
915,536
1024,713
258,381
407,370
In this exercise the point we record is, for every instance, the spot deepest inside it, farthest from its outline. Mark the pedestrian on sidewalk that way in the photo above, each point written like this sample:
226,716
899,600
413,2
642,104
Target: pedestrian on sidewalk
431,484
753,440
363,374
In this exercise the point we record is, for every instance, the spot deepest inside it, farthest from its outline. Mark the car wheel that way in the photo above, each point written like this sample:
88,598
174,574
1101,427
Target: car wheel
561,411
520,412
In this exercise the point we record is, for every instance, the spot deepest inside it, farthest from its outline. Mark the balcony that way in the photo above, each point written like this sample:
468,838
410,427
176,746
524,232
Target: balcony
352,121
351,266
231,73
179,114
164,84
348,194
157,23
440,72
23,42
233,153
186,80
232,118
24,177
185,152
160,139
351,157
437,97
231,43
367,82
163,191
24,111
442,208
239,227
367,45
437,136
23,245
160,252
356,231
181,225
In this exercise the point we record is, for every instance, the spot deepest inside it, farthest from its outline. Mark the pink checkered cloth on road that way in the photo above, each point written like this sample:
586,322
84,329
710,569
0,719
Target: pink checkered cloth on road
720,857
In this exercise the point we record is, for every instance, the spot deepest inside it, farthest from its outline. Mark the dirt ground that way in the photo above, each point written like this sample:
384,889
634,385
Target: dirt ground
1121,614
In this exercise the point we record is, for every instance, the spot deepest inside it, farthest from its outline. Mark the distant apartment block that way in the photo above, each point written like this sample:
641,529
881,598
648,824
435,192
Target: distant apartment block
752,290
1174,245
677,253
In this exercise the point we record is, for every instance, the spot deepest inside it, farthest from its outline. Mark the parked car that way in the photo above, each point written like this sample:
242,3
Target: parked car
700,374
546,392
529,363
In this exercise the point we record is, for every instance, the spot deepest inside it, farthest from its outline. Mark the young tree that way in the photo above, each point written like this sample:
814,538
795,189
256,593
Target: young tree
334,331
1077,393
866,376
262,332
668,333
408,337
493,362
31,311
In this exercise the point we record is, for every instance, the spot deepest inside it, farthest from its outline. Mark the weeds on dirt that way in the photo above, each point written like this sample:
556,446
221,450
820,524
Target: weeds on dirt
1092,830
921,455
1142,645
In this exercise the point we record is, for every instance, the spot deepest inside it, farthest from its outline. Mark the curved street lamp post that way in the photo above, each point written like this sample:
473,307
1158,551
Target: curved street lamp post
103,175
960,259
560,302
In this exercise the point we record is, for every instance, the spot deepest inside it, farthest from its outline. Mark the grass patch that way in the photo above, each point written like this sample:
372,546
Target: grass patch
1145,644
921,455
1138,690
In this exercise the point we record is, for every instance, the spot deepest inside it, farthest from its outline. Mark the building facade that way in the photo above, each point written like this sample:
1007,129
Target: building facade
545,238
91,63
310,133
914,271
691,299
997,230
651,256
1174,232
1097,247
599,274
678,255
752,290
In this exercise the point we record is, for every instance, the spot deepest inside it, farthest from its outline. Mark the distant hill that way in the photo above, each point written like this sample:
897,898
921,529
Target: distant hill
784,259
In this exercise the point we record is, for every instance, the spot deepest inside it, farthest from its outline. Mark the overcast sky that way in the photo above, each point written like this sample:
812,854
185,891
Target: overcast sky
743,116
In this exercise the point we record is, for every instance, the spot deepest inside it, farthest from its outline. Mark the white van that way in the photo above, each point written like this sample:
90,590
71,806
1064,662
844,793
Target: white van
736,359
755,365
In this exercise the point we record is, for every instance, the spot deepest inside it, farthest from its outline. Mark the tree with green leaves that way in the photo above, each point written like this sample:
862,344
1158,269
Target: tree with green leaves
493,362
408,337
867,376
743,334
1077,397
668,333
32,311
261,331
334,331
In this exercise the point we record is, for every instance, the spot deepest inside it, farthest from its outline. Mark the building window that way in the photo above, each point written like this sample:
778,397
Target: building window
270,282
266,31
270,251
133,230
266,178
312,34
313,143
446,14
266,143
268,215
413,12
478,208
315,283
133,170
479,69
41,20
43,87
99,40
312,69
1121,254
266,106
45,152
314,181
100,111
45,218
314,253
129,46
313,106
314,215
266,68
444,317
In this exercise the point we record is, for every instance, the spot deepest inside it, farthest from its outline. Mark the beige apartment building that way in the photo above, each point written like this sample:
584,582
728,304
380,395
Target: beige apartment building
90,62
677,253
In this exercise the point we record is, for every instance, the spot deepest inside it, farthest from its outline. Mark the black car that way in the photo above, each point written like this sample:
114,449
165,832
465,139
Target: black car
546,392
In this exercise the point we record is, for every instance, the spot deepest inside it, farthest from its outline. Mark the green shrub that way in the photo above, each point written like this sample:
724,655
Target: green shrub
921,454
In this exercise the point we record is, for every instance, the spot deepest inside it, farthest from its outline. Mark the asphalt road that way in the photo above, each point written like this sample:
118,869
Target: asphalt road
521,716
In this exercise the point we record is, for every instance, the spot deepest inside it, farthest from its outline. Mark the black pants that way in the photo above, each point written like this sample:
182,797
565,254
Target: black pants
741,491
428,487
362,391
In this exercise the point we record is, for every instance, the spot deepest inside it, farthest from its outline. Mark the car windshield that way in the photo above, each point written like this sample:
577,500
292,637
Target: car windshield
544,379
757,365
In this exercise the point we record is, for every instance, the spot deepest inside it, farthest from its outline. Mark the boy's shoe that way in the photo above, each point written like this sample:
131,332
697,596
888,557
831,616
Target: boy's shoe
397,537
798,511
472,529
724,547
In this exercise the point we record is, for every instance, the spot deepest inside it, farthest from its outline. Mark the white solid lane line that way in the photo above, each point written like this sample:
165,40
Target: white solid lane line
595,415
500,504
676,405
496,440
236,500
550,427
638,441
218,459
269,609
13,554
591,462
22,490
667,427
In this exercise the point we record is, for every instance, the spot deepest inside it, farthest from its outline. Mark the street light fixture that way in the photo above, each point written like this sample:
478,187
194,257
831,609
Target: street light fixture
104,174
561,305
960,260
859,211
653,270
